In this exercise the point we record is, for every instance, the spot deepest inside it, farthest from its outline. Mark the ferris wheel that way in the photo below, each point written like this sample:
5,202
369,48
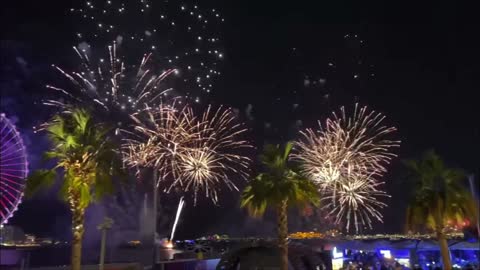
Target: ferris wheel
13,168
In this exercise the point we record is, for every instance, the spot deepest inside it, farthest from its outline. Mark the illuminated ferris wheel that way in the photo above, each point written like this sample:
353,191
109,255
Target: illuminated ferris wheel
13,168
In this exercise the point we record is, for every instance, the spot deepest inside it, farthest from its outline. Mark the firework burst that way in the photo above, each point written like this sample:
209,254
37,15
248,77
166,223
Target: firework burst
215,154
160,136
197,154
345,145
111,87
345,157
355,200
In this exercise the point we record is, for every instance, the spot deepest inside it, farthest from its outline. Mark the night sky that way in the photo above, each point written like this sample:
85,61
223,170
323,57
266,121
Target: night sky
284,62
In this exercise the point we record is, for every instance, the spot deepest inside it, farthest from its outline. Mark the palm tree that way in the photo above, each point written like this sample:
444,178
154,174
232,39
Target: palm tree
85,157
278,186
440,198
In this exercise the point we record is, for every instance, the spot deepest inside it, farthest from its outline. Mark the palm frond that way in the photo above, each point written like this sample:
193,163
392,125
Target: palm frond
279,182
39,180
287,149
85,196
440,195
85,154
103,185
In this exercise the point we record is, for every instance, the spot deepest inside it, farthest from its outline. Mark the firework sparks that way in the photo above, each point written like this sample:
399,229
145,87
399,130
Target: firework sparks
356,201
345,145
213,155
181,36
161,134
345,157
197,154
111,87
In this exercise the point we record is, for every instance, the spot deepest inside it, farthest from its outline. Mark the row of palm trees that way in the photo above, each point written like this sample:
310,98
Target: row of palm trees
86,159
439,199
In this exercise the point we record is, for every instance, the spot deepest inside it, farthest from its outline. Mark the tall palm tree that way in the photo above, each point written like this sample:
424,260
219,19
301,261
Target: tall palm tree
278,186
85,157
440,198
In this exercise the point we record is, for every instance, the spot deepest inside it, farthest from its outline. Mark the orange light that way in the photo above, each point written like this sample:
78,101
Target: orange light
169,245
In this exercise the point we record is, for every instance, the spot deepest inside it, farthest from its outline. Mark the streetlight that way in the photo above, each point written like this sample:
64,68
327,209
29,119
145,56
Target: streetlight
104,226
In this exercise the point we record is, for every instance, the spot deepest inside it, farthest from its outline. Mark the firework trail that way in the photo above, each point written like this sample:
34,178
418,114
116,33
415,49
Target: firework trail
177,216
198,154
345,157
180,36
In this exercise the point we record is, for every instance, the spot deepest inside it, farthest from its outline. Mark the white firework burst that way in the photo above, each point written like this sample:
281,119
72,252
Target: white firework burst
110,87
198,154
346,156
355,200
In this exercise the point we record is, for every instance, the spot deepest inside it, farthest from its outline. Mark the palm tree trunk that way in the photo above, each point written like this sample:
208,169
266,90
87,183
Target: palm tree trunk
471,181
442,240
78,216
283,234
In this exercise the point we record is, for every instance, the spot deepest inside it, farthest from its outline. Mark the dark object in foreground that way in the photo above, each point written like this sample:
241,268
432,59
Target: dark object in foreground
265,255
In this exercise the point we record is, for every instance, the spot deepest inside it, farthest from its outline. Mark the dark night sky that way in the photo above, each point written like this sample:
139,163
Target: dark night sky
425,80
